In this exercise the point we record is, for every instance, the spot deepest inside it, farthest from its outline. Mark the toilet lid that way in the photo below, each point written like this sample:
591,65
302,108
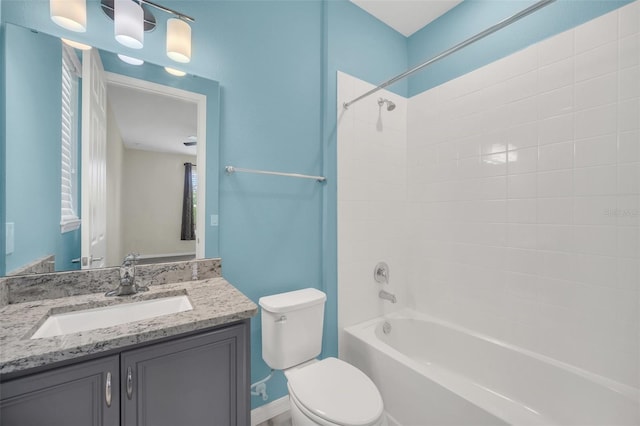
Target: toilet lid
337,392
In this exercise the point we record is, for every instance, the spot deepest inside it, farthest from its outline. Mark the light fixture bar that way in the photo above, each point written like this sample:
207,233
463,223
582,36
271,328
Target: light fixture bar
167,10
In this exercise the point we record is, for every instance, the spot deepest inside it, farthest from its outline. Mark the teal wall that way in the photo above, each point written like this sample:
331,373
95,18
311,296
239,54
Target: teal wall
33,76
2,149
276,62
33,92
473,16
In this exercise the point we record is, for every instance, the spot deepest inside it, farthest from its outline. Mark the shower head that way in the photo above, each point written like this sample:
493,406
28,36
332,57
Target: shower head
390,105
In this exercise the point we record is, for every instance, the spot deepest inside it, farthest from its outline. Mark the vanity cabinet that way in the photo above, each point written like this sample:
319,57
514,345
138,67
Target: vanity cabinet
201,379
81,394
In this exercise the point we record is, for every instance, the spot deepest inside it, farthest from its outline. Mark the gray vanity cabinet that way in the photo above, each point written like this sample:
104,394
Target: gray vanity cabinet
81,394
194,381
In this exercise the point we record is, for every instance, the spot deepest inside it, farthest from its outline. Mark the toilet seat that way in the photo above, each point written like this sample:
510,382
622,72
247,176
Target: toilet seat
336,393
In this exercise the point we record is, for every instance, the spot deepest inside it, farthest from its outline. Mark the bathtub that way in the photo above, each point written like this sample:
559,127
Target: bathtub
431,372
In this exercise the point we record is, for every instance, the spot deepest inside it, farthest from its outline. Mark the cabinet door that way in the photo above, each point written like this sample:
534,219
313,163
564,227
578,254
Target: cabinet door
66,396
193,381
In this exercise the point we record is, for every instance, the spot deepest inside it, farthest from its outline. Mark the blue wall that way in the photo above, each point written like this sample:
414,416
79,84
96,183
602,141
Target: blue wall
2,149
473,16
33,91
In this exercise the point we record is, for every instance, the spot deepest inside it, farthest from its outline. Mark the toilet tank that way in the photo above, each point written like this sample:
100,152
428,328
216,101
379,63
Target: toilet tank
292,327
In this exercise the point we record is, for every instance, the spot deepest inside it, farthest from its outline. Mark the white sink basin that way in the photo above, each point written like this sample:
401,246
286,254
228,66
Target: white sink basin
91,319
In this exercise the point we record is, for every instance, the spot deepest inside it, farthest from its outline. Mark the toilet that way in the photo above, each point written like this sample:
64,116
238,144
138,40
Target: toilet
326,392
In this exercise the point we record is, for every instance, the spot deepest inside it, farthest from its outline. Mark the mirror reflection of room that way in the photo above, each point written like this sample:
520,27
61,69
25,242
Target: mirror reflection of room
151,175
150,163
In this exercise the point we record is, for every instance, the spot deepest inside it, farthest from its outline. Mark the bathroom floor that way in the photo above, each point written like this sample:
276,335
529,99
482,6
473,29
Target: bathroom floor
283,419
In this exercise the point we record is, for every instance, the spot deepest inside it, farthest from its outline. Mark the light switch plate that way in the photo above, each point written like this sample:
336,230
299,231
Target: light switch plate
214,220
9,237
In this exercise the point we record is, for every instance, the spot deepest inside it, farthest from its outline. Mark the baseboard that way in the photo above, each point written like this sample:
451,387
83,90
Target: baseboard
269,411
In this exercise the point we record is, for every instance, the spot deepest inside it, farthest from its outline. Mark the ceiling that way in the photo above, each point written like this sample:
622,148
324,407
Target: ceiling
153,122
406,16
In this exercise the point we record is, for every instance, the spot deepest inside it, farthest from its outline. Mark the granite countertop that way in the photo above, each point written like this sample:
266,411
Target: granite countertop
215,302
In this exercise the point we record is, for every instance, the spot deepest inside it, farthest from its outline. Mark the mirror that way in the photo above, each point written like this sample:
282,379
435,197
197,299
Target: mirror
33,160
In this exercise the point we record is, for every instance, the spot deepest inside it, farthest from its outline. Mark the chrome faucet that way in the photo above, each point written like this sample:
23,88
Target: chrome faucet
387,296
128,284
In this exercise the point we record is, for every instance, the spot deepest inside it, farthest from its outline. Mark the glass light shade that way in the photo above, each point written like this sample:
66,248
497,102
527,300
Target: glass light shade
130,60
128,18
76,44
69,14
175,72
178,40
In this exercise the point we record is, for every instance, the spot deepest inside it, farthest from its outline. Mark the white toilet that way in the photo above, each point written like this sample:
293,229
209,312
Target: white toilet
329,392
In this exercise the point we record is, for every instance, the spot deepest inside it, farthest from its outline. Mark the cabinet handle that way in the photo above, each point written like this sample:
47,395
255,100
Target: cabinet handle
107,389
129,383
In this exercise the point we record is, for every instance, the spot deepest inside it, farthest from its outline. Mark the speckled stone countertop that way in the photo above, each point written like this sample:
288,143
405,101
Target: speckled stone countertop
214,300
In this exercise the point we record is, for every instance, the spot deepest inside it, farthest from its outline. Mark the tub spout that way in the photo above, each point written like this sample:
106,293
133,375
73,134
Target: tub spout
387,296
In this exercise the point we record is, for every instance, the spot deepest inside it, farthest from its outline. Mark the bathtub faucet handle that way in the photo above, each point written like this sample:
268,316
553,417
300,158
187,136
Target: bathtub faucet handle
381,273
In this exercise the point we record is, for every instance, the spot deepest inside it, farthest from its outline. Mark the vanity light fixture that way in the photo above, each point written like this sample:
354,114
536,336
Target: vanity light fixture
130,60
178,40
128,18
133,17
69,14
75,44
175,72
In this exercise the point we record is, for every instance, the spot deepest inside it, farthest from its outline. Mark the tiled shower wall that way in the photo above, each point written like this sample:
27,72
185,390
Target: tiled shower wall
372,192
523,184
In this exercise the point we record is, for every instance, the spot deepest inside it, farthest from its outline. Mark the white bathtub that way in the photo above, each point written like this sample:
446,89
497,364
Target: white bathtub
431,372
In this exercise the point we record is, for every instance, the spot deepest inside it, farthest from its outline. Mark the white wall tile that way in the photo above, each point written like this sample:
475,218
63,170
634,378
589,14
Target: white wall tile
597,151
523,160
556,48
627,212
522,186
522,210
595,122
555,238
556,102
628,147
597,32
595,180
629,83
629,51
629,178
629,115
628,19
556,129
599,240
555,184
594,210
555,156
596,62
597,91
628,242
522,236
556,75
557,210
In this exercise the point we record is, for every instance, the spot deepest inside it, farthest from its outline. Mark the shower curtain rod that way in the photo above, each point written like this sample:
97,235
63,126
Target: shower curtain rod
506,22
